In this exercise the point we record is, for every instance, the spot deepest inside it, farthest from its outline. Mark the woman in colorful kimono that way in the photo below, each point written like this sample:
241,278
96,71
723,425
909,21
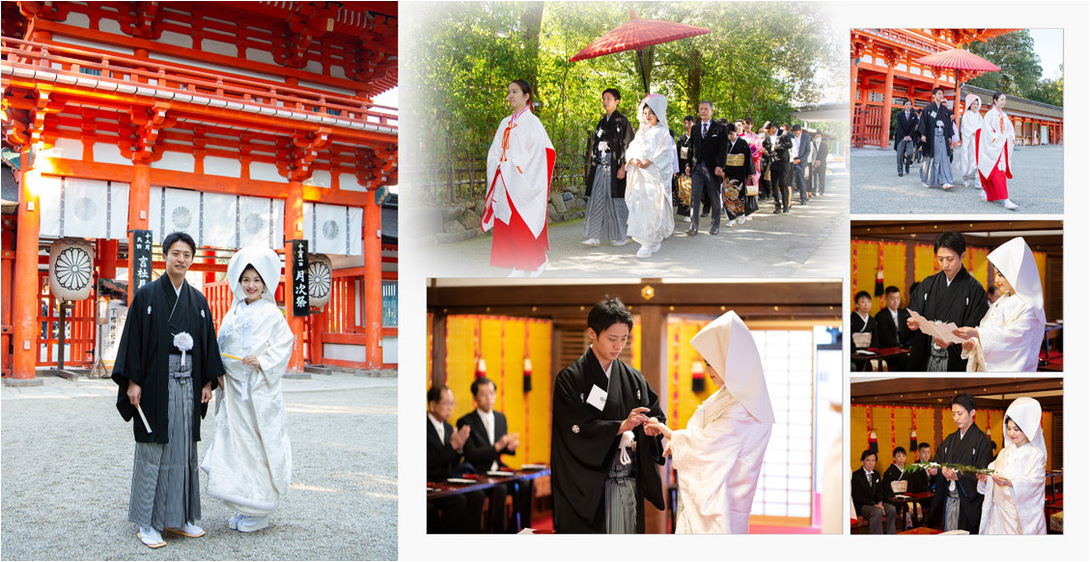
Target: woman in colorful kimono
994,145
971,121
520,171
249,460
1014,497
1009,336
718,455
652,161
737,174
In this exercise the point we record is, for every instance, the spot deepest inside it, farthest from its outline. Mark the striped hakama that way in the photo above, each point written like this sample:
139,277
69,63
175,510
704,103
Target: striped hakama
165,489
936,169
621,497
607,217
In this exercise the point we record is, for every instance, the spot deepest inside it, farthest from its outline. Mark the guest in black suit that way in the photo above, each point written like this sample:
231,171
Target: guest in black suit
705,165
782,170
821,164
891,327
801,160
867,496
903,133
862,323
458,513
488,442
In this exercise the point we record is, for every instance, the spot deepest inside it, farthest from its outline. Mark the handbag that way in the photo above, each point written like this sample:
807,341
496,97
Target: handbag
751,190
685,189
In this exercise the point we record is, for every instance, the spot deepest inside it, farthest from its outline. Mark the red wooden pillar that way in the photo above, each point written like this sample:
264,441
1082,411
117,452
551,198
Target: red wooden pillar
139,197
856,134
887,101
25,283
7,262
372,282
293,230
106,253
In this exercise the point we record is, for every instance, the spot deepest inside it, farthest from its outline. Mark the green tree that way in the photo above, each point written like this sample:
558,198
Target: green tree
1013,53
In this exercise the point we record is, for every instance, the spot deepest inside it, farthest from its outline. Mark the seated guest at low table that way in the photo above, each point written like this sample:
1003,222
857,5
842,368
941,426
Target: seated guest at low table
867,496
862,323
488,441
920,481
460,512
896,473
891,327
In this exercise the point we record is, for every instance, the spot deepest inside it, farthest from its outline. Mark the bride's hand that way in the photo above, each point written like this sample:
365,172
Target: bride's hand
251,360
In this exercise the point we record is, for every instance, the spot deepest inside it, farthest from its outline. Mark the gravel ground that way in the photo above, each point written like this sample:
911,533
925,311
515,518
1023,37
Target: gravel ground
810,241
1037,186
67,466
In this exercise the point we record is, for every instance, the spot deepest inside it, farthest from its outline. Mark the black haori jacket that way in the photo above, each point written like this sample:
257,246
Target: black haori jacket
146,344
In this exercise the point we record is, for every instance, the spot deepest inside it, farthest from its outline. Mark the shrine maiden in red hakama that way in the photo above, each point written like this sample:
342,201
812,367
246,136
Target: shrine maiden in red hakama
994,144
520,170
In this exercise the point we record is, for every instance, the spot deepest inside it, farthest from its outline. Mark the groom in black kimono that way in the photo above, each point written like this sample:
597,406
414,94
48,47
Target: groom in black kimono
957,504
606,149
167,378
951,295
599,406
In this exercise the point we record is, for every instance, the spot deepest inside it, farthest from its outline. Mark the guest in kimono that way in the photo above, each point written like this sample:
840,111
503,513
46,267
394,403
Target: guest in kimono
652,161
921,481
718,455
1008,338
603,463
957,503
1014,497
902,136
971,121
861,323
520,171
936,132
895,472
167,365
754,141
606,214
249,460
764,167
681,181
951,295
994,145
737,174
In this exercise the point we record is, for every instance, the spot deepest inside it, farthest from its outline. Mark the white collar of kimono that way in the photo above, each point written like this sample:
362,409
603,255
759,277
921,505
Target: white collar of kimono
264,260
1015,261
1026,412
657,103
515,116
728,346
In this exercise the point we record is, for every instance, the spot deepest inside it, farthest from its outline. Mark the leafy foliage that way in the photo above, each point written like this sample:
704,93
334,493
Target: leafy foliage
961,468
758,61
1021,68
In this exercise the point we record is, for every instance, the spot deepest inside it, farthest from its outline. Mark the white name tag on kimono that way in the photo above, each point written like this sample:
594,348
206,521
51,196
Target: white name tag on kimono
597,398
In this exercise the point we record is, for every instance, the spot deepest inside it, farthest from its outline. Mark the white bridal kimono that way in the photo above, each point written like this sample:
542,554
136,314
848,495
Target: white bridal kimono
249,460
1018,509
971,122
995,143
1012,330
718,455
648,195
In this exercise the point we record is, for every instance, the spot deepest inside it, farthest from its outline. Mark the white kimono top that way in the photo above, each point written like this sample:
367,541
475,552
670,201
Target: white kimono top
995,141
971,121
520,167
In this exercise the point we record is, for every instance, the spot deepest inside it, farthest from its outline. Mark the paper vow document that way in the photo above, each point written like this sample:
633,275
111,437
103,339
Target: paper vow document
943,332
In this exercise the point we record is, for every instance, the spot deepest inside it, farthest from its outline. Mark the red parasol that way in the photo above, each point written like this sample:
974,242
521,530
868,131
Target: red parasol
960,61
634,35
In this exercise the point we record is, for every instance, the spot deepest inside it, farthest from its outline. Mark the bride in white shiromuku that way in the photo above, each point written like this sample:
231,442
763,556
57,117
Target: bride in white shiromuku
971,121
1014,497
652,162
718,455
1008,339
249,460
